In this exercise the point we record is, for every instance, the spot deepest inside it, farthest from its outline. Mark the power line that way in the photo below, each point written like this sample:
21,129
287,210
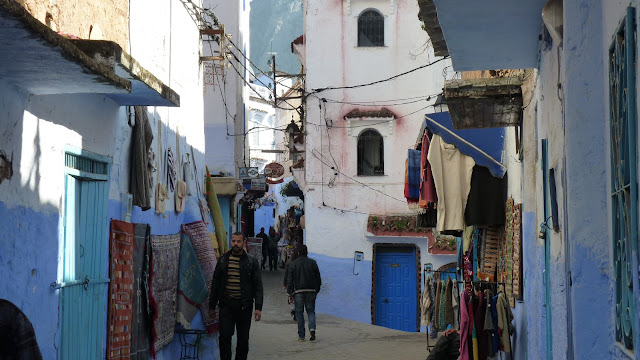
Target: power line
313,152
317,90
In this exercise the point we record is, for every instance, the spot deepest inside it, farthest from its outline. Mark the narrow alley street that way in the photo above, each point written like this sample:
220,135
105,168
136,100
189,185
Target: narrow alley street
274,337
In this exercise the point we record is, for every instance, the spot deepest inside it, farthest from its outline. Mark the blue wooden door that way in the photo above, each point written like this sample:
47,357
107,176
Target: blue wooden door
396,289
83,286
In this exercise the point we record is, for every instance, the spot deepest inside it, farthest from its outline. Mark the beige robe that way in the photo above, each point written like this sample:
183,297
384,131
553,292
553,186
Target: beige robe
452,172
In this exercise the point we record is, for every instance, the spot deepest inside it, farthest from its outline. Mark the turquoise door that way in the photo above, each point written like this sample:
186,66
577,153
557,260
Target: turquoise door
84,281
396,289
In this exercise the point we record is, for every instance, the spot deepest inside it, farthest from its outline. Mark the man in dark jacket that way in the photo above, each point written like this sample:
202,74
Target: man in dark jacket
265,247
303,283
236,284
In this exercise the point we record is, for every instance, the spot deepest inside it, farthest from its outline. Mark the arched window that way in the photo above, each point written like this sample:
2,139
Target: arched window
370,153
370,29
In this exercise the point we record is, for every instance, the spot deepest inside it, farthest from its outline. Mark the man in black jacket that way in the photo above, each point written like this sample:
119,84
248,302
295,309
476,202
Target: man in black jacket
303,284
236,284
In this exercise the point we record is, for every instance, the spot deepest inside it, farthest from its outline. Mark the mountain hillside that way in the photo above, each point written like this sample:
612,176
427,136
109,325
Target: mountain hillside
274,25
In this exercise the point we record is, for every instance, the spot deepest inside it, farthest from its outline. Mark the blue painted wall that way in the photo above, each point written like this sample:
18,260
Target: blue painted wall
28,265
587,154
343,294
263,217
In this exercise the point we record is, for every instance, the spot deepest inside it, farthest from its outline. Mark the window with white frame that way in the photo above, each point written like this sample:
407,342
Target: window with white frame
371,28
624,185
370,153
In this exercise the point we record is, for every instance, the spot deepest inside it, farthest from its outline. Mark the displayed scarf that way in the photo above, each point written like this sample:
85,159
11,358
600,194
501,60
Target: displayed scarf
464,326
121,239
437,306
413,170
442,321
141,170
448,309
165,256
141,320
206,255
192,288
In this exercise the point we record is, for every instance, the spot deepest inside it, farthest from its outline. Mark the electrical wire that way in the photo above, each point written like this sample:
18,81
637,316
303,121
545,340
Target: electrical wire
318,90
314,151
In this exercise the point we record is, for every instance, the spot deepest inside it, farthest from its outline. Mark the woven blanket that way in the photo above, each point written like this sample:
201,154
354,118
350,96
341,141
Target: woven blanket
201,241
192,287
165,254
141,327
120,290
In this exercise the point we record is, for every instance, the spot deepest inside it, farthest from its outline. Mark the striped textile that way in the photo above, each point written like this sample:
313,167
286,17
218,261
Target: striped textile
232,289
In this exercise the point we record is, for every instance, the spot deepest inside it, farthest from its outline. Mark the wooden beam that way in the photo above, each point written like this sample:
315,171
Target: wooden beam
211,58
212,32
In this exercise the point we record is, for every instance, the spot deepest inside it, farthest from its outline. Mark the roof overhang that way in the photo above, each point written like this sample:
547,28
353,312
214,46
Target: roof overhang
484,103
41,62
490,34
429,16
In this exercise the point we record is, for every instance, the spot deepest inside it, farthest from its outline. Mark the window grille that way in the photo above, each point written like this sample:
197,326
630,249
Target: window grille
371,29
84,164
370,153
624,188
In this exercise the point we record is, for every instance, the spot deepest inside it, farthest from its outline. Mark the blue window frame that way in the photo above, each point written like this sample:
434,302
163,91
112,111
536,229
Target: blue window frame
624,186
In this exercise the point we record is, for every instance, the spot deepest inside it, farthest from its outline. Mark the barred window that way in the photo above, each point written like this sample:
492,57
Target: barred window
371,29
370,153
624,185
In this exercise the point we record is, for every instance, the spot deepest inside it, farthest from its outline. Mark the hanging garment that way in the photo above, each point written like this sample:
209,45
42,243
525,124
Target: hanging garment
442,321
437,305
479,314
181,186
488,325
505,316
467,235
427,184
214,208
413,170
455,300
494,319
448,310
452,176
473,348
406,180
487,198
426,302
464,326
161,189
141,184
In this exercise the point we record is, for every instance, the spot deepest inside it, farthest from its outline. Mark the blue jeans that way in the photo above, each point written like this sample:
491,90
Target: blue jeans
305,300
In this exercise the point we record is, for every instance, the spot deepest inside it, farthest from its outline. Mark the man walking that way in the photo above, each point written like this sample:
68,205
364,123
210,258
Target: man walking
265,246
236,284
303,284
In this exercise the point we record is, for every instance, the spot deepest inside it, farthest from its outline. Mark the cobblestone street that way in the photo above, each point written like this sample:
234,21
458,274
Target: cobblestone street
274,337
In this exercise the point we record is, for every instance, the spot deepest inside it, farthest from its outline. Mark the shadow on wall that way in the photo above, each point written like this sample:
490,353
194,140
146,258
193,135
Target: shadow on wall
30,226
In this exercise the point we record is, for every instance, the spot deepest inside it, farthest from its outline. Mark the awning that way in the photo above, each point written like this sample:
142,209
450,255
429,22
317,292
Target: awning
41,62
489,34
225,186
485,146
